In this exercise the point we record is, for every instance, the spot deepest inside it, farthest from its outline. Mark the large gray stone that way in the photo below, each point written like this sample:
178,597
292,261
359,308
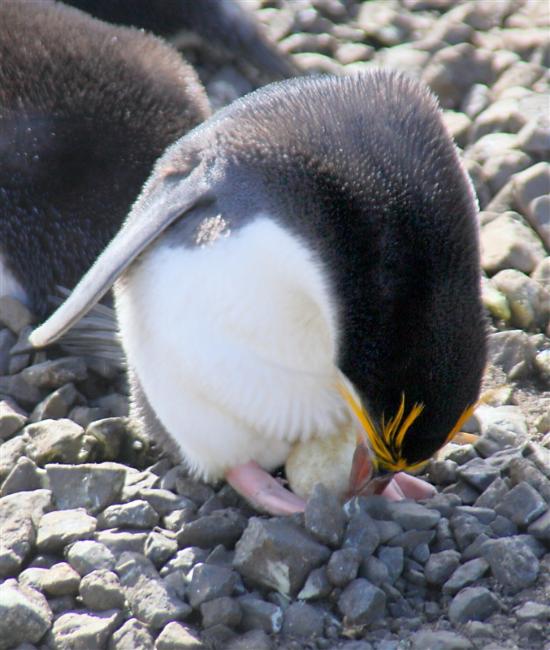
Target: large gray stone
25,615
59,580
87,556
473,604
62,527
101,590
83,630
56,440
277,554
513,562
55,373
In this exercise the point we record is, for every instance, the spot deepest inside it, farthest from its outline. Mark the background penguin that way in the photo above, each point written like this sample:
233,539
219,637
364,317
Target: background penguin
85,110
313,244
221,23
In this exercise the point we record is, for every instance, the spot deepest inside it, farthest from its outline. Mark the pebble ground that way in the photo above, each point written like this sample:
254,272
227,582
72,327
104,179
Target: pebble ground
104,545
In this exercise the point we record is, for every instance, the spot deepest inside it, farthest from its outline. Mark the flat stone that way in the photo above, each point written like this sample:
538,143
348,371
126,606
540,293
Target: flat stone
259,614
56,440
277,554
92,486
12,419
87,556
221,611
135,514
440,640
473,604
513,562
324,517
19,514
59,528
208,581
303,621
24,477
101,590
412,515
465,575
221,527
176,636
147,595
165,502
522,504
478,473
83,630
440,566
131,636
25,615
14,314
361,603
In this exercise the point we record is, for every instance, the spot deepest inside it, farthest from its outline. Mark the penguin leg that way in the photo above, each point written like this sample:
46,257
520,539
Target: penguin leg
263,491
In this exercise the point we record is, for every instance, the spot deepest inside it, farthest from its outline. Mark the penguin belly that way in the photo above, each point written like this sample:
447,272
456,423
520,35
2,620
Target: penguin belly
234,344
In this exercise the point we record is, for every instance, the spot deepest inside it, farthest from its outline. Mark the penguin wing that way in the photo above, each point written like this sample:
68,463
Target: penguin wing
164,200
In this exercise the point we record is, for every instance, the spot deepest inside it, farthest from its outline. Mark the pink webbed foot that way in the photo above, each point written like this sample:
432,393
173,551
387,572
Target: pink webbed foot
263,491
405,486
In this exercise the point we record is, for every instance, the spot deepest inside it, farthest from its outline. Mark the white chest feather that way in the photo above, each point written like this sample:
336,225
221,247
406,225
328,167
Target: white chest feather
234,344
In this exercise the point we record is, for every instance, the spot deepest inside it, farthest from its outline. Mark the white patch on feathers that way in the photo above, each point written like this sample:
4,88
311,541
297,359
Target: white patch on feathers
234,344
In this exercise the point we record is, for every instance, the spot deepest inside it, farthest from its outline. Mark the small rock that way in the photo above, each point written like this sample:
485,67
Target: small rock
277,554
93,486
56,440
12,419
224,611
540,528
60,528
59,580
529,302
412,515
478,473
159,547
176,636
506,243
324,517
466,529
88,556
135,514
74,630
258,614
362,534
208,581
101,590
533,611
24,477
303,621
538,215
56,405
221,527
20,390
393,558
317,585
493,494
473,604
513,352
343,566
466,575
440,566
19,514
253,640
147,595
440,640
131,636
522,504
512,561
530,184
14,314
55,373
361,603
25,615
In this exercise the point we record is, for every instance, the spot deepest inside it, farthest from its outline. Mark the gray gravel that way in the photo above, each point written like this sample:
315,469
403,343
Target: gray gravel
103,545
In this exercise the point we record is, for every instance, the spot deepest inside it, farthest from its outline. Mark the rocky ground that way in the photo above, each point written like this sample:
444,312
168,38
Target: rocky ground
104,545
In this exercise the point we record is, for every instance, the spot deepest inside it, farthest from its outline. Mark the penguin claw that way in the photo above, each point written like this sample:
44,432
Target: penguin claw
262,491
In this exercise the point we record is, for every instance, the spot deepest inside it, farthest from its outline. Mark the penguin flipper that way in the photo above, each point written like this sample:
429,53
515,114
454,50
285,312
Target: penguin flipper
163,201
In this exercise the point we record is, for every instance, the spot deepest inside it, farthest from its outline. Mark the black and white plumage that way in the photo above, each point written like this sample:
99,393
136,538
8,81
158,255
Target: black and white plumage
317,231
85,110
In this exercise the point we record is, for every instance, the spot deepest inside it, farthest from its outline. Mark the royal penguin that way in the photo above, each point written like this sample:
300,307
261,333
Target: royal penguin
85,110
304,261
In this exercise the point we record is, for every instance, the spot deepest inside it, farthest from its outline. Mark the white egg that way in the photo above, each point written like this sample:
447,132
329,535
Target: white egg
321,460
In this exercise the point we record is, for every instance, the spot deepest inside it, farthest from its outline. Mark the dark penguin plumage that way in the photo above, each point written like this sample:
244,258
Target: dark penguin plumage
85,110
220,22
316,228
